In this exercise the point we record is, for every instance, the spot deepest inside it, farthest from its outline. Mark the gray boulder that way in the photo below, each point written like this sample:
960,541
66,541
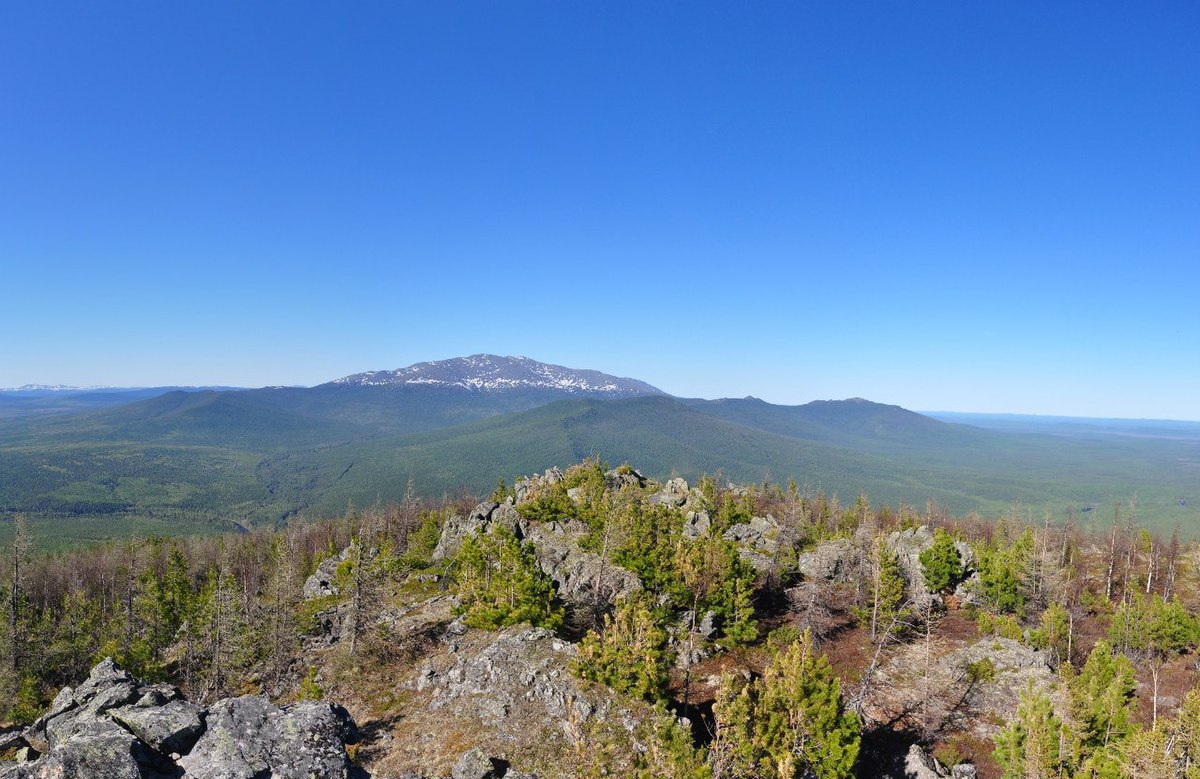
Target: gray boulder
830,560
97,748
757,541
249,737
919,765
113,725
696,525
163,720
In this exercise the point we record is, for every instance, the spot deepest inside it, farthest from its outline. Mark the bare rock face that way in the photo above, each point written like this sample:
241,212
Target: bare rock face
115,726
485,518
580,576
830,560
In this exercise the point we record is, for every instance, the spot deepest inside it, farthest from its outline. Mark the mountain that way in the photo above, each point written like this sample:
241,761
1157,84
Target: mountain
184,461
491,373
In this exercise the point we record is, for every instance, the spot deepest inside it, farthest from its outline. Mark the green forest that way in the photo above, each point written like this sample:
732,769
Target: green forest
784,654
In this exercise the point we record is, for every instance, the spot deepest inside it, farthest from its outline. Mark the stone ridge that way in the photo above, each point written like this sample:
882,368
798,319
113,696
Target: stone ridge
492,373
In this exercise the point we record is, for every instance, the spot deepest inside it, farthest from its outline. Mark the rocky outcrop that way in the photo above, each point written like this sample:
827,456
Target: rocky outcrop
509,694
581,576
975,686
831,561
484,518
320,584
908,546
757,541
113,725
531,486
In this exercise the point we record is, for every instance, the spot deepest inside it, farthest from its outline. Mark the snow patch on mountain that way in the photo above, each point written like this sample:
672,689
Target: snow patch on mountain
491,373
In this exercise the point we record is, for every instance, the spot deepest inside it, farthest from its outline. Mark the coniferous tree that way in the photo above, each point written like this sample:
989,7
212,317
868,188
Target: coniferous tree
501,584
219,647
941,563
1102,704
630,654
1031,746
799,727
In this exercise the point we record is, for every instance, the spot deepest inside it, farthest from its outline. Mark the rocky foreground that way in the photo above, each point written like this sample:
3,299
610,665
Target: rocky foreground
113,726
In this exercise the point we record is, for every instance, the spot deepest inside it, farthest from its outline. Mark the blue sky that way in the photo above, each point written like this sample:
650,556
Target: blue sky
944,205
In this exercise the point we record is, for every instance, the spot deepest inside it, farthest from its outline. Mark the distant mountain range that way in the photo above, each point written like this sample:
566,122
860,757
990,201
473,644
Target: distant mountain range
94,465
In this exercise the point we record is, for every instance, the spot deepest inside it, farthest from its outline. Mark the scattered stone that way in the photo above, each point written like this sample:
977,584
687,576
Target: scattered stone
474,764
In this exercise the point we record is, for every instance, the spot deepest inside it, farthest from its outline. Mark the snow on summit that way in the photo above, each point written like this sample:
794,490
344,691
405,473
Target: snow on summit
491,373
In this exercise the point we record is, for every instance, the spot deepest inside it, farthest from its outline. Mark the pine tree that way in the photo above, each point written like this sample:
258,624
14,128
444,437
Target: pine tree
501,584
1147,755
218,642
941,563
1031,747
799,723
888,607
630,654
1102,706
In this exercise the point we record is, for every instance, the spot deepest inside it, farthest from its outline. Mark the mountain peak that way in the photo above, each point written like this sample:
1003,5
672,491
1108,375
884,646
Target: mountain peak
493,373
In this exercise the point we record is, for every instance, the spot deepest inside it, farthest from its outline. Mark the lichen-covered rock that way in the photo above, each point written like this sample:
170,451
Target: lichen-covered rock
163,720
757,541
581,576
96,748
115,726
249,737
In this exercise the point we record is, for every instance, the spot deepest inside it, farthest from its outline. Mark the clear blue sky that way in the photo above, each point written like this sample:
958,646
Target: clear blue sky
944,205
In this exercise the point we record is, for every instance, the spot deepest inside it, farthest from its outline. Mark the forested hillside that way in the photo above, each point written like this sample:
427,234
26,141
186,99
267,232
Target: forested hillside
595,622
